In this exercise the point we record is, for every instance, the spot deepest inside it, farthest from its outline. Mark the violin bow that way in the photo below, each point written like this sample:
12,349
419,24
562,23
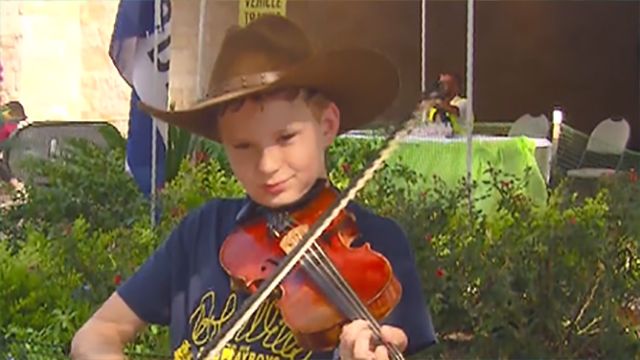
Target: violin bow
213,348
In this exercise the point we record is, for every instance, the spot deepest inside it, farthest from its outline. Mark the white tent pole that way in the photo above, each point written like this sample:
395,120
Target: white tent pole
154,138
423,40
199,87
469,96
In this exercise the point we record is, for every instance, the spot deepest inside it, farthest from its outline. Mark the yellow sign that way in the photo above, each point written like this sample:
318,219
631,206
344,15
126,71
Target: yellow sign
252,9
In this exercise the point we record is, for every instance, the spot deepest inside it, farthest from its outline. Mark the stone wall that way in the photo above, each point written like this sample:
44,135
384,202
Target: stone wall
56,62
10,49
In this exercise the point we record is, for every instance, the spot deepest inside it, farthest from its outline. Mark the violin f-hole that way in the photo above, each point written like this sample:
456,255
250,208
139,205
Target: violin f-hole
271,261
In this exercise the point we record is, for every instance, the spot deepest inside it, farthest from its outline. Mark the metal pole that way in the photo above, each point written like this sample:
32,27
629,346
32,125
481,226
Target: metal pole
423,41
154,139
469,95
199,87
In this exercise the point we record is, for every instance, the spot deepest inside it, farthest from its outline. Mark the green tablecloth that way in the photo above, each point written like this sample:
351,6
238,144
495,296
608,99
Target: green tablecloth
447,158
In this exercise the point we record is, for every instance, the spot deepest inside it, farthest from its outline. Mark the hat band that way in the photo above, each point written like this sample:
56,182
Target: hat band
245,82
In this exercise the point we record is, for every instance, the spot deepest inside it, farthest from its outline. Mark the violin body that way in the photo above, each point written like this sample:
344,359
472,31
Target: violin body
252,252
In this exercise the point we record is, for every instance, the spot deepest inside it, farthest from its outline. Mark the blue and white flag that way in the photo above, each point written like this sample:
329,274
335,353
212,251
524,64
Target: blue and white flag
132,52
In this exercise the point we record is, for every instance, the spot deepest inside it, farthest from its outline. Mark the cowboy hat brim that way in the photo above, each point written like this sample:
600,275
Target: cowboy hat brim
363,83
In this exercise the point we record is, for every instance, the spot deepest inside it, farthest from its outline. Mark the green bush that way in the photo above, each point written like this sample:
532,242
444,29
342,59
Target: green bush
65,246
55,281
526,281
84,180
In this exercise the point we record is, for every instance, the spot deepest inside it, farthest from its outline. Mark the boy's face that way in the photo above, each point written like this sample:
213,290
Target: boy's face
276,146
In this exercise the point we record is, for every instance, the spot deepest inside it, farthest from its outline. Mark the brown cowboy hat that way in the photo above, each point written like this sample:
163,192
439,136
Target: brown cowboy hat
273,53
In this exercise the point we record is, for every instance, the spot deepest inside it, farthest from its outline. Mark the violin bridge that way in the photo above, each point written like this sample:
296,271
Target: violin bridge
293,237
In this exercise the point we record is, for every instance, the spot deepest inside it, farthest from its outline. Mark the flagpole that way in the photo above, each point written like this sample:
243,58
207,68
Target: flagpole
156,26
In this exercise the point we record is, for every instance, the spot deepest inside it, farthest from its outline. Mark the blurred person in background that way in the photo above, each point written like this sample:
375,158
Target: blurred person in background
11,114
448,104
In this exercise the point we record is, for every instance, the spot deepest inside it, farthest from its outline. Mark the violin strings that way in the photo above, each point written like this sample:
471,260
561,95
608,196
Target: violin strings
323,265
348,295
329,271
348,302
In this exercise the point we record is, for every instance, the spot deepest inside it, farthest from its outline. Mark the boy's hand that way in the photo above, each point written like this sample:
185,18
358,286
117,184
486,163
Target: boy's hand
358,343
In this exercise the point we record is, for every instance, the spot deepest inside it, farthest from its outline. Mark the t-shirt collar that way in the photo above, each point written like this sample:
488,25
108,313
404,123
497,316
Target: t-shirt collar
251,209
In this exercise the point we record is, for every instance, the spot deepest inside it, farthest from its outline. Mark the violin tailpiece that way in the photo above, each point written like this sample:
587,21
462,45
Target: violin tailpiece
293,237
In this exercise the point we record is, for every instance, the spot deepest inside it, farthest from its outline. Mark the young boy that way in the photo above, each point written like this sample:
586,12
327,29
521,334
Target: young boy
275,106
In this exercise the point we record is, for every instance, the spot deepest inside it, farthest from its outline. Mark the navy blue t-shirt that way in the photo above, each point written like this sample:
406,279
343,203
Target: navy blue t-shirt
182,285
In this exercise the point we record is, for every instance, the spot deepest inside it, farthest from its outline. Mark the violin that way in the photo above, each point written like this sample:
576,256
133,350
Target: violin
312,297
304,274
